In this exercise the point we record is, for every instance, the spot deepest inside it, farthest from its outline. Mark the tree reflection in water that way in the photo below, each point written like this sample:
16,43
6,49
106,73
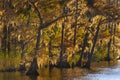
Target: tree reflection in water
33,77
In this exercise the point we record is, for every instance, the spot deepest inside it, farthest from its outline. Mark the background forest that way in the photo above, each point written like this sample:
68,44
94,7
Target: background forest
57,33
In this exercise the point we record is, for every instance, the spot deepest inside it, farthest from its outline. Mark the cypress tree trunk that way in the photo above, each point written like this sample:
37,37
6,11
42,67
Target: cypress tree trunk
88,64
28,20
10,3
76,17
6,3
62,47
23,49
34,66
0,42
9,35
109,44
110,31
83,48
4,40
15,45
15,40
114,32
50,53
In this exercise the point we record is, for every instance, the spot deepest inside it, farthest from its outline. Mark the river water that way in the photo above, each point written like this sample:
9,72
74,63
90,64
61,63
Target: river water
99,71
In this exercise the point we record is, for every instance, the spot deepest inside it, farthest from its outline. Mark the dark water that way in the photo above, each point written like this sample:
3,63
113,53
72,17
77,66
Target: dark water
100,71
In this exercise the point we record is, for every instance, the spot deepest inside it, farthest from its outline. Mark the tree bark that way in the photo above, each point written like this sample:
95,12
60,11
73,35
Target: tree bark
23,49
41,26
83,48
15,45
4,40
88,64
109,44
62,42
33,68
10,3
9,35
50,53
114,32
76,17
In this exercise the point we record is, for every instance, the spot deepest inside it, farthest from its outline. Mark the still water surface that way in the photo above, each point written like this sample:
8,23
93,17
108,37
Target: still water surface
100,71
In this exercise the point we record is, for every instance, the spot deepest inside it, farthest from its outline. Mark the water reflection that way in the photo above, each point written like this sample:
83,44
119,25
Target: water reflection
104,74
32,77
45,74
100,71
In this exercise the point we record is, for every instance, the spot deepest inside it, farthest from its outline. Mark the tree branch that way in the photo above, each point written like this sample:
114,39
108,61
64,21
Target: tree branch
46,24
37,10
